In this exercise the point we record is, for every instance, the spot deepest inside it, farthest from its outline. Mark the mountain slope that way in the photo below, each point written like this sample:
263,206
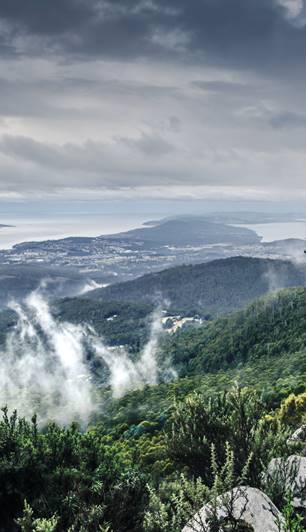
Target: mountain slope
269,328
212,288
263,346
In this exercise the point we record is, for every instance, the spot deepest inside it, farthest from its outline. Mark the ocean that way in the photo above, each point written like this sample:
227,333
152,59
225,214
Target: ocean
279,230
25,229
51,227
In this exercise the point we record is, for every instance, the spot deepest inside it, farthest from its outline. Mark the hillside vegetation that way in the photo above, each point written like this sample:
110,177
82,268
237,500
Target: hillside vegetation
263,347
151,459
120,323
268,328
209,289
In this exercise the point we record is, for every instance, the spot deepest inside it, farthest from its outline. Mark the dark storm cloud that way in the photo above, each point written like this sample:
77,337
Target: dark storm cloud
46,18
235,32
116,29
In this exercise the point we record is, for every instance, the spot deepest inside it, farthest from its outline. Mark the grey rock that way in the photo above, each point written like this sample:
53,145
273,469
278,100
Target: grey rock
249,506
291,473
299,435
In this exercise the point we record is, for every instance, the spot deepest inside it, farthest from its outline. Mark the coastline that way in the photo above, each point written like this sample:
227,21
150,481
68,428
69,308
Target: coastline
41,229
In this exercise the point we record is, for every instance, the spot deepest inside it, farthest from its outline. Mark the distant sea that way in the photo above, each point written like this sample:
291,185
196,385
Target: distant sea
279,230
54,227
51,227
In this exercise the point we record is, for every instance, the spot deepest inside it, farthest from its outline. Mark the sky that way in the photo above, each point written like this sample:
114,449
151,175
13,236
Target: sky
152,100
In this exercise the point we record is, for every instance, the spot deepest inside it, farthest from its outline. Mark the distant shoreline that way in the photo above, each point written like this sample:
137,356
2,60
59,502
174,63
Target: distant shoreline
42,230
25,230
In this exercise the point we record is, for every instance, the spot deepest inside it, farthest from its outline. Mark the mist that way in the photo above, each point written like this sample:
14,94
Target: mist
91,285
127,374
44,366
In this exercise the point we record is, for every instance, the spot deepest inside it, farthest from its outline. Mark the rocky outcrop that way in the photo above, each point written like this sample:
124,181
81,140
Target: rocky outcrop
291,473
249,506
299,435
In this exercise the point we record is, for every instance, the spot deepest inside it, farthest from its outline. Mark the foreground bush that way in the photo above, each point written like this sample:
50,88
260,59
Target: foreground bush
77,477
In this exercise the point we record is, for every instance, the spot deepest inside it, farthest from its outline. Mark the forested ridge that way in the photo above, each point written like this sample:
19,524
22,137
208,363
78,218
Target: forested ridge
209,289
268,328
150,460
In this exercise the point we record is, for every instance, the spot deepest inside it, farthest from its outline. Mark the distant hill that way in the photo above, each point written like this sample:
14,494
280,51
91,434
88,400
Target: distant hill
234,217
212,288
190,231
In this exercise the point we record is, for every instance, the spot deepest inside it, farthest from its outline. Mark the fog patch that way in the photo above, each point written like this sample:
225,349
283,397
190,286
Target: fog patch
91,285
274,279
127,374
44,365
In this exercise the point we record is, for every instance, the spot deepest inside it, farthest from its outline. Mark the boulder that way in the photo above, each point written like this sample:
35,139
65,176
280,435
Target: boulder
299,435
249,506
291,473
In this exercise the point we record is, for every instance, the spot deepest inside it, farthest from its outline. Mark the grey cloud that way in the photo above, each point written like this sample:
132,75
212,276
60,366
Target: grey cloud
241,34
149,144
32,166
287,119
125,88
111,29
224,87
171,92
278,119
50,99
51,18
87,156
25,99
124,161
174,124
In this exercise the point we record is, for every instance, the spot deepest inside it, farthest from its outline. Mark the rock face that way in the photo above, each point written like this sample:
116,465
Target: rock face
299,434
250,506
291,472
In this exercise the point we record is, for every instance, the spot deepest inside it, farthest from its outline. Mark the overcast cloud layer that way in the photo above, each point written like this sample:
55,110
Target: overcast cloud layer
152,98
